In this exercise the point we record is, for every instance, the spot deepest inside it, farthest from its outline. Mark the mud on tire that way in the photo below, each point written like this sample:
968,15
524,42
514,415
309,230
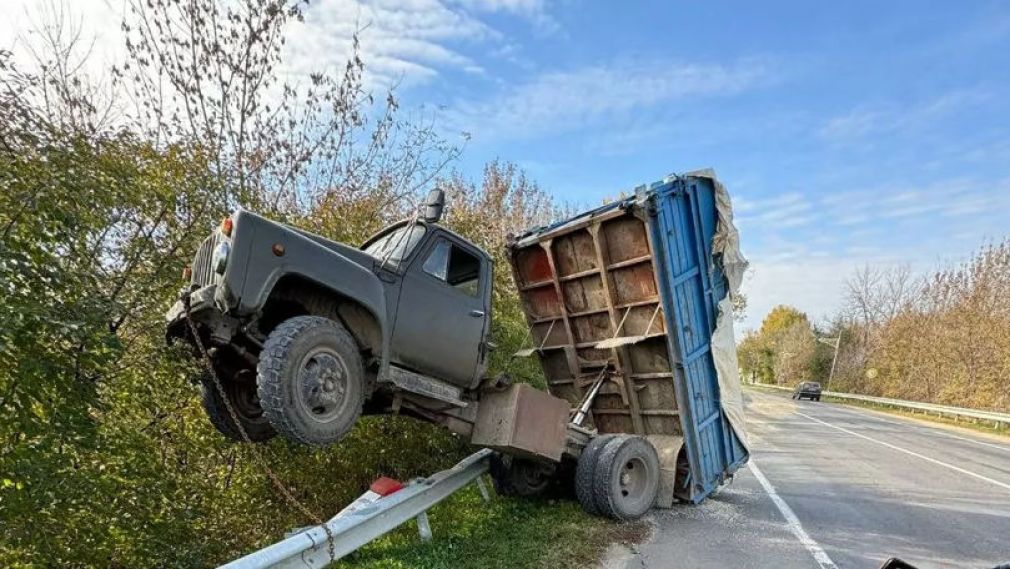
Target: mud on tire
310,380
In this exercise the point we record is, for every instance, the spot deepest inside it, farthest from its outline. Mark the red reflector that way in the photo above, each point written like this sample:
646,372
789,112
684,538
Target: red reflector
278,249
385,486
226,226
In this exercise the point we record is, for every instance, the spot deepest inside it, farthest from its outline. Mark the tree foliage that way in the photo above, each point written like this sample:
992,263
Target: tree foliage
781,351
944,338
106,459
940,338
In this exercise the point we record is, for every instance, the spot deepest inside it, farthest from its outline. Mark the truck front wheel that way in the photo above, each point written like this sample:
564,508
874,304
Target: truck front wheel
310,380
245,404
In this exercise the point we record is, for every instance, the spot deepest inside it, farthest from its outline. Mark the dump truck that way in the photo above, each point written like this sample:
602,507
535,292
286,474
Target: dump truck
638,293
628,307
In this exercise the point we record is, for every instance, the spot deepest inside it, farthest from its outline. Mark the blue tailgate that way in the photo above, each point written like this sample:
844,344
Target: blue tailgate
682,223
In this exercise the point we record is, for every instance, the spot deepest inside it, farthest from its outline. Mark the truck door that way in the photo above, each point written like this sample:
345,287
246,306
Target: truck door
443,312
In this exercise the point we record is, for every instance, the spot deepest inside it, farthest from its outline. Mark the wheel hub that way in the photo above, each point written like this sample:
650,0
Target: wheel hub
243,396
322,381
632,480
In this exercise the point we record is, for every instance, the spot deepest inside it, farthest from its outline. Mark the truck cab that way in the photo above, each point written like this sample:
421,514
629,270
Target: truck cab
301,334
438,291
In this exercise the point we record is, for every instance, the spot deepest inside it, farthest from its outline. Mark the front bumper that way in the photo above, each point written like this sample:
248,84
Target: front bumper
201,300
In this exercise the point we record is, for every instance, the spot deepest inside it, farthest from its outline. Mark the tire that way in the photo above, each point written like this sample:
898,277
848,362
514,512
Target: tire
310,380
626,481
585,471
517,477
245,401
818,398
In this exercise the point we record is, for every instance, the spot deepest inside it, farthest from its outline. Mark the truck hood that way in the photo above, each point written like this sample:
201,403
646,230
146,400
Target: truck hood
351,253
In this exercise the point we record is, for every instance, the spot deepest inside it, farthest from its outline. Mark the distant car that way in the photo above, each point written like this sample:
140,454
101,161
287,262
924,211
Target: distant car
808,389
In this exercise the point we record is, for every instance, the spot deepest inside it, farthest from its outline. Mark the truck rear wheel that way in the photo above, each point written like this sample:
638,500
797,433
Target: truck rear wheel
310,380
585,471
244,401
626,480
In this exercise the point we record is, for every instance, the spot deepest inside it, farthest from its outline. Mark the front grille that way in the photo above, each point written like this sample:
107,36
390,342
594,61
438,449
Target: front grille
203,273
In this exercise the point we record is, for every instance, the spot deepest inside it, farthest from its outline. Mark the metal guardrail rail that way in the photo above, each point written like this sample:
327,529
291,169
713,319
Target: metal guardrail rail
361,523
941,410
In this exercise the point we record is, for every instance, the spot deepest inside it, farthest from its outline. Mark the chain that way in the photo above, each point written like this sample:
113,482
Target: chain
257,455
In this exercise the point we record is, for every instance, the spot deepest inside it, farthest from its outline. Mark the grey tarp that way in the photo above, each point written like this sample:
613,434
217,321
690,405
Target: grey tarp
726,242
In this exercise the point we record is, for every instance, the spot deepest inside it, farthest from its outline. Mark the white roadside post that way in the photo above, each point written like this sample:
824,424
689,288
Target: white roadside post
835,343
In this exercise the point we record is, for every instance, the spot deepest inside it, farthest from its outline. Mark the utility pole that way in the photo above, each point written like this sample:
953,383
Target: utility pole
834,342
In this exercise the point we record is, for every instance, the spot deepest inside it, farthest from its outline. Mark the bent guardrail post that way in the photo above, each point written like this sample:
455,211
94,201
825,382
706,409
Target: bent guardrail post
311,548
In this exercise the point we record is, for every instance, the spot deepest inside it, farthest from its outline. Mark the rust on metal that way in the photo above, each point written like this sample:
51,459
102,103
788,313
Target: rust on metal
594,278
522,421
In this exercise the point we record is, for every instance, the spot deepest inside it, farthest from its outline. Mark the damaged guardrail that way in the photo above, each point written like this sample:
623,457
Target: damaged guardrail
367,519
941,410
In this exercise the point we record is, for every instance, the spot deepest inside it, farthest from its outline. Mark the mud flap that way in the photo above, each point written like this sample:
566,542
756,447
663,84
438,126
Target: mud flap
668,447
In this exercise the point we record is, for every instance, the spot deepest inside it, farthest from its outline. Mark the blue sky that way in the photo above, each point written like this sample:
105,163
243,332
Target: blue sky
849,133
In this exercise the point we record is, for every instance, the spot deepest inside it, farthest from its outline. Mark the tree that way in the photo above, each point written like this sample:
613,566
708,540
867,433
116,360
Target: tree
782,350
779,319
211,73
755,358
107,459
794,353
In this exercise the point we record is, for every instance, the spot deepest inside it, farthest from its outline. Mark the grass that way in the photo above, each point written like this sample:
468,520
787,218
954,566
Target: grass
505,532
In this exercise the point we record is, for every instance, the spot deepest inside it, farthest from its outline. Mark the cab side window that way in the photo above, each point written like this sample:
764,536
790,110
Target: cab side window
454,265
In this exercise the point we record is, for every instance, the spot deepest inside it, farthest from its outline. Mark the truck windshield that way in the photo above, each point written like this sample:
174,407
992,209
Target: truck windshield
396,245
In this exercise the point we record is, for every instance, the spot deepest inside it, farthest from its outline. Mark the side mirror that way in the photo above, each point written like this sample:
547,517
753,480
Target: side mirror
434,205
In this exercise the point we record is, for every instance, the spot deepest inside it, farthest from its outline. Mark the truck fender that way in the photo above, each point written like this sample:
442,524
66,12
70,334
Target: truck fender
309,260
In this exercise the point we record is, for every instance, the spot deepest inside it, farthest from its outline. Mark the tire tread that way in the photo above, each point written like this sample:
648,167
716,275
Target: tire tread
270,381
585,470
605,471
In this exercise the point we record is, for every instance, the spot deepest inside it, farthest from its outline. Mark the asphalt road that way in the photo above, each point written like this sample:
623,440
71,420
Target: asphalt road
837,486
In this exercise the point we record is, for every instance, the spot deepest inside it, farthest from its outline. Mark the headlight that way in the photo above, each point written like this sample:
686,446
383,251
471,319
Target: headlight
220,259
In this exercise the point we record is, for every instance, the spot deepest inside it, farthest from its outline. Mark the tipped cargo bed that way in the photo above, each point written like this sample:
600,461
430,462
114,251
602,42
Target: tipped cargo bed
631,291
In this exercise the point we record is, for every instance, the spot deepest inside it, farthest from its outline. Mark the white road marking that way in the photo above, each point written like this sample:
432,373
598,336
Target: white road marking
753,422
792,521
909,452
909,422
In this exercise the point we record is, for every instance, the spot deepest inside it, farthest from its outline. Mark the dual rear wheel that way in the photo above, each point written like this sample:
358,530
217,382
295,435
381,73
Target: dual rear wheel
617,476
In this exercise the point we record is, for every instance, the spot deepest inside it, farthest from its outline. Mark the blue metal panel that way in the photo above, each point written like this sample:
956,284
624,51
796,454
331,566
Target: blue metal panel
682,223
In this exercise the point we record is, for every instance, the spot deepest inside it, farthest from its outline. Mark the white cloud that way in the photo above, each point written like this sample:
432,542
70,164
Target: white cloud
923,226
865,121
96,21
533,10
407,42
811,283
558,101
404,42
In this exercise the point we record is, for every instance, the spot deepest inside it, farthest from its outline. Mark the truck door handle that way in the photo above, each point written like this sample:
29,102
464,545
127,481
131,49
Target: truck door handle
477,313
